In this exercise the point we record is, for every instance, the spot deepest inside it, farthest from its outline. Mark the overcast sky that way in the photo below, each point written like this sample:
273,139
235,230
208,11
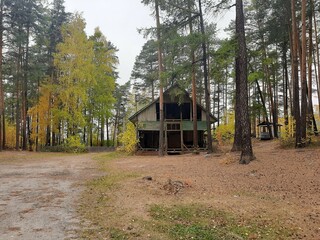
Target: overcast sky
119,21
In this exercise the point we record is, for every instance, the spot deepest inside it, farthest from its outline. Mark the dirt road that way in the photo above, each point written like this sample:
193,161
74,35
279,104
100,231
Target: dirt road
38,194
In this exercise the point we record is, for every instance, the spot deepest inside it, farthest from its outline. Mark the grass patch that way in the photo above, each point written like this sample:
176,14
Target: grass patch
97,208
203,223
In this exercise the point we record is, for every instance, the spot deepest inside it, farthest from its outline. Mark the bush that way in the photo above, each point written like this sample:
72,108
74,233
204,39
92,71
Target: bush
73,145
128,139
288,142
224,133
64,149
287,139
10,136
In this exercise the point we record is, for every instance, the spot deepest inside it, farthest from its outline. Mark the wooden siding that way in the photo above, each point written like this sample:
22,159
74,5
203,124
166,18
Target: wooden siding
149,126
186,125
148,114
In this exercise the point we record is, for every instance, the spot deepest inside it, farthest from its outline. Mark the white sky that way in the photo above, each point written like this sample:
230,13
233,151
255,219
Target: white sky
118,20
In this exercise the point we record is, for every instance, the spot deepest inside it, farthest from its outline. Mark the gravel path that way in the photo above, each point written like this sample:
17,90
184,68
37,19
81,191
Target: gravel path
38,197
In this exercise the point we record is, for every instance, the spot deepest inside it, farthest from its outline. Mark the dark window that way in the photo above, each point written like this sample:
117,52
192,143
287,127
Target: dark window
199,113
185,109
173,126
172,111
158,111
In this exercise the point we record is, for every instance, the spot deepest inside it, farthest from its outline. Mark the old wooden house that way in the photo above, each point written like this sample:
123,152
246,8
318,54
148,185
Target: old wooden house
178,125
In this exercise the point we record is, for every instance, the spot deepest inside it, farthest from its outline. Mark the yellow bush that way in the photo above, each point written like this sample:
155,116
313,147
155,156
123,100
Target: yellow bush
10,135
128,139
225,132
287,139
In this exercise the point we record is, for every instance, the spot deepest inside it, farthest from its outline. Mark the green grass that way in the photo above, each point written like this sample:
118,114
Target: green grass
203,223
96,202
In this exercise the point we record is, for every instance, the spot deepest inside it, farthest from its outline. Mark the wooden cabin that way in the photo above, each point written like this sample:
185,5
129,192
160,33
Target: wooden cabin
178,124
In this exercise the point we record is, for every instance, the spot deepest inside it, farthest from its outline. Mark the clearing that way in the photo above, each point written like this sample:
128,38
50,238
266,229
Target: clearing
277,196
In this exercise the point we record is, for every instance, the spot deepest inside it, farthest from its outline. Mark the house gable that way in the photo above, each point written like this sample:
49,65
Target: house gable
176,101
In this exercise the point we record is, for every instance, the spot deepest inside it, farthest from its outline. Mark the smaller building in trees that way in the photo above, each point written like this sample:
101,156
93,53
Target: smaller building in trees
178,124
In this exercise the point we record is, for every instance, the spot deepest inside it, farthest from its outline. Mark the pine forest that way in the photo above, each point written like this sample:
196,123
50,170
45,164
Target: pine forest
58,86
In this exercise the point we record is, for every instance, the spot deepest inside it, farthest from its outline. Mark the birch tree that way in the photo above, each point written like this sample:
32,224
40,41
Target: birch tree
74,62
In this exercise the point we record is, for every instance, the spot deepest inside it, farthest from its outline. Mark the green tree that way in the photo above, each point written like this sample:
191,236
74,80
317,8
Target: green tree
144,73
120,109
58,17
74,62
101,94
221,70
183,52
24,18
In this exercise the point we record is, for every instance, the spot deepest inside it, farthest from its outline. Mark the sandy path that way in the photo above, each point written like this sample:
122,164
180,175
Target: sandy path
38,197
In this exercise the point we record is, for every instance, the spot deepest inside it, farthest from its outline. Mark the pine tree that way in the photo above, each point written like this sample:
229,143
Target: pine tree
242,92
144,73
101,97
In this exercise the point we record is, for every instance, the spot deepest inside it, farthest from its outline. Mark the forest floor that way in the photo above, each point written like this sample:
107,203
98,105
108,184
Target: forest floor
276,196
50,196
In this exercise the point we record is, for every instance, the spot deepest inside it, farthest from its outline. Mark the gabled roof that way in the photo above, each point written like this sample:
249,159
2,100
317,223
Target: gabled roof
166,92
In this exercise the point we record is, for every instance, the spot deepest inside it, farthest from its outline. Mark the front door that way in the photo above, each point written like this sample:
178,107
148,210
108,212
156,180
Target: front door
173,136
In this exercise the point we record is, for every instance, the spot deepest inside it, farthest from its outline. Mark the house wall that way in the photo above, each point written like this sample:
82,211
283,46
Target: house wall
203,115
148,115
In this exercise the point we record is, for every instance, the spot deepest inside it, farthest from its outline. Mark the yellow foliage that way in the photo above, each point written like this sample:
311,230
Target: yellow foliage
40,115
287,132
10,135
128,139
225,132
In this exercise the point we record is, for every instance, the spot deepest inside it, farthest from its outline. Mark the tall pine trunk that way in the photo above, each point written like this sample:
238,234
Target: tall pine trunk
160,61
242,98
317,53
18,95
303,71
25,93
194,86
206,81
2,114
237,142
102,131
285,83
311,118
295,74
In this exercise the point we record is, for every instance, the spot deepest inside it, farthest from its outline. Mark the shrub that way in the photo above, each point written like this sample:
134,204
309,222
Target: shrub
128,139
73,145
225,132
10,136
287,139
